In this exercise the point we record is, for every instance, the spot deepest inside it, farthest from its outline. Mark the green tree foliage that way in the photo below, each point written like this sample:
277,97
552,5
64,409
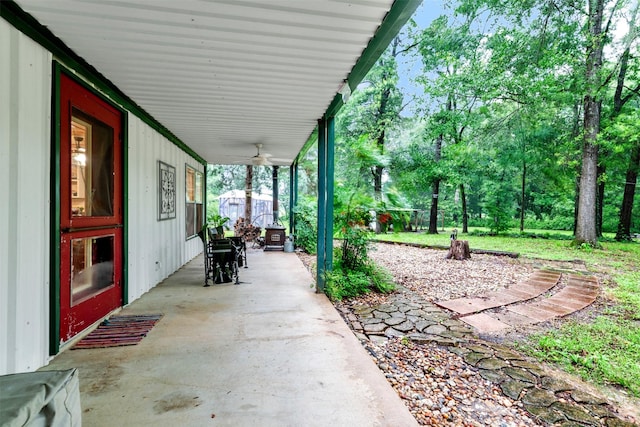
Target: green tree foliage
223,178
412,166
364,124
506,85
527,110
306,236
500,130
449,58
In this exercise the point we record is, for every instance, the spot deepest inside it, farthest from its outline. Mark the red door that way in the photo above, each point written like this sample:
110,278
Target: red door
91,217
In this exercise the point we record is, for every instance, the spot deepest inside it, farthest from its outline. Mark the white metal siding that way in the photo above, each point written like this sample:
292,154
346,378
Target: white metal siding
156,248
25,99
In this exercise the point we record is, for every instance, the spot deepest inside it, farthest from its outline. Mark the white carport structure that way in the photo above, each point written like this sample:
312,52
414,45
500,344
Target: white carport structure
197,82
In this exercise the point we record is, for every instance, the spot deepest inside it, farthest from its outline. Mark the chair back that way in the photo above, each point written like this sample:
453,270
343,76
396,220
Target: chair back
213,233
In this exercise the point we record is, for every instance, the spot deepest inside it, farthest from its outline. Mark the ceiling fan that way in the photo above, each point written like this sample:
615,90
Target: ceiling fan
261,159
266,159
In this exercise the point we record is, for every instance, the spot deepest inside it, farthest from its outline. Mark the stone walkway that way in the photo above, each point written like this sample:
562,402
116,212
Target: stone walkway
580,292
542,394
540,282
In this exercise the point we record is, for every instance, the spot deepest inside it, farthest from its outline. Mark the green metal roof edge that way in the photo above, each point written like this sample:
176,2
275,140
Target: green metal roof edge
28,25
401,11
312,139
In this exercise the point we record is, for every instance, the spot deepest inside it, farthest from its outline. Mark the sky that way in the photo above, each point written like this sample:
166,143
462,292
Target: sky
409,67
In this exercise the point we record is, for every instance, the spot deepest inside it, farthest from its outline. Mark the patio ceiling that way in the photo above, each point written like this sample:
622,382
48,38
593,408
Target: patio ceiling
224,75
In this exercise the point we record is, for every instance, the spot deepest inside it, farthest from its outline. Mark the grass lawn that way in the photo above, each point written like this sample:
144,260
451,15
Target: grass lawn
607,349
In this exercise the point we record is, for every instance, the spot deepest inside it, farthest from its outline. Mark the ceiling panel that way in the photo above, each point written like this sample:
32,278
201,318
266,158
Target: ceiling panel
222,75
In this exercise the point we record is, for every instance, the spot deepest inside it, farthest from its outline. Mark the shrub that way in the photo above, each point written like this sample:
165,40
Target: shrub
355,245
498,205
353,272
343,283
346,284
548,222
385,219
401,221
381,279
306,234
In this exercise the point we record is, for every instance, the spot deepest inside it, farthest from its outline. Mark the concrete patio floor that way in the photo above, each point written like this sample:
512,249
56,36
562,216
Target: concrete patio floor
267,352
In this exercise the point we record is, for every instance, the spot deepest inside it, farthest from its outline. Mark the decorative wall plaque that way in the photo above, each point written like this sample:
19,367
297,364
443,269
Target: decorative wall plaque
167,191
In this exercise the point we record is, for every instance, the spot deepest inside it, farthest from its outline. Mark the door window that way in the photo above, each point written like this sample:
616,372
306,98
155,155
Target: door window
91,266
91,166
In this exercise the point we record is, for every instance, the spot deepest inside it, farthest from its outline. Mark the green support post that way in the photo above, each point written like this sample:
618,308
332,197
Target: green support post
329,193
322,205
326,140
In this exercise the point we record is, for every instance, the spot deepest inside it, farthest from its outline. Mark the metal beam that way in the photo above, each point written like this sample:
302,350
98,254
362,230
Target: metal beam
329,177
325,200
274,190
293,196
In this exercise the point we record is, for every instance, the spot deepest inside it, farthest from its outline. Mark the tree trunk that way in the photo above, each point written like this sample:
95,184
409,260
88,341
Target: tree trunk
618,99
575,133
377,192
248,186
378,170
522,197
586,224
459,250
626,210
465,215
600,196
377,182
433,217
623,232
576,200
618,102
586,219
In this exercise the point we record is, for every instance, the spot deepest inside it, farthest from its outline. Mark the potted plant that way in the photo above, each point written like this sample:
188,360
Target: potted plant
217,221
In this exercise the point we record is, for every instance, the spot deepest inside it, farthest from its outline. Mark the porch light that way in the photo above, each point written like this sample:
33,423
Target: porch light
345,91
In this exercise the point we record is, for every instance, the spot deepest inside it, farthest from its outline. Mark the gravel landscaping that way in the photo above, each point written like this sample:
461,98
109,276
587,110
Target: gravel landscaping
435,379
441,389
428,274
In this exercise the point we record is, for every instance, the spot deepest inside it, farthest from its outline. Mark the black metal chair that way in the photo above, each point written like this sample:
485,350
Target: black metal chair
212,232
241,250
220,262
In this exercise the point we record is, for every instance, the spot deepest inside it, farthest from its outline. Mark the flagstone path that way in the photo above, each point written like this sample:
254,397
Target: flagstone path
521,303
551,400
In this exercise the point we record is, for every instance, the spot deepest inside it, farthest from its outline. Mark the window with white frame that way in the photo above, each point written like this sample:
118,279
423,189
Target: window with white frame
194,212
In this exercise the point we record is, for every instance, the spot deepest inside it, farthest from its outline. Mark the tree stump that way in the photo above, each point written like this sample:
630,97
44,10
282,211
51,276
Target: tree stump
459,250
